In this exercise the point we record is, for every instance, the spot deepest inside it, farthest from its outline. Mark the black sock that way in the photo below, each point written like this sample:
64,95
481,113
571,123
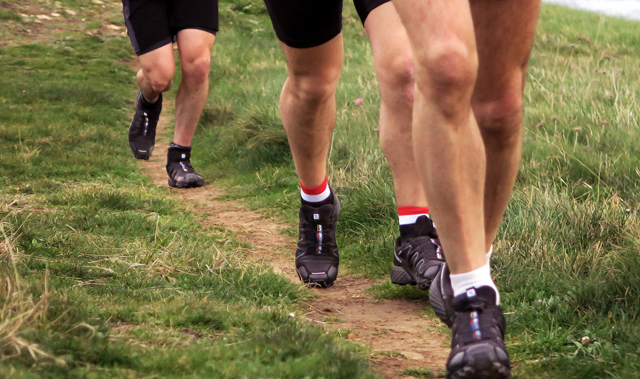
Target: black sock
174,145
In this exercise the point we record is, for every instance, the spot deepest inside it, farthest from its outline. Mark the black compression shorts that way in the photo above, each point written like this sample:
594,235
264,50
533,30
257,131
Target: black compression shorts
310,23
153,23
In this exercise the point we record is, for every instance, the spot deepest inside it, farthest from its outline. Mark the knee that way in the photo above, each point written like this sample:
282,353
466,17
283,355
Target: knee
446,74
499,114
160,77
396,76
162,84
313,88
195,70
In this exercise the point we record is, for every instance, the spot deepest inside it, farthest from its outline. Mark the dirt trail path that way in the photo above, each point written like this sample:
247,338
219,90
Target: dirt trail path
389,327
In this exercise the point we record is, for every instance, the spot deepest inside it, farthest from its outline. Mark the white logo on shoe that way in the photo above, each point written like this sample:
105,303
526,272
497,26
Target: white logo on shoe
471,292
184,156
316,216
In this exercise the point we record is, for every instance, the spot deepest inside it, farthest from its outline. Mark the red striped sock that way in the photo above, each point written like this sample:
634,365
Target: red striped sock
409,215
315,194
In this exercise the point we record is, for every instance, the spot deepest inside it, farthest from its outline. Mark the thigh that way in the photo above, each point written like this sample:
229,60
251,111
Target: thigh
388,37
365,7
193,14
159,61
305,23
323,62
147,24
504,31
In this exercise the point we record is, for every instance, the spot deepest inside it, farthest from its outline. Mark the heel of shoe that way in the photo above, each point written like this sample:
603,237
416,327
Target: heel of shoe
401,277
438,300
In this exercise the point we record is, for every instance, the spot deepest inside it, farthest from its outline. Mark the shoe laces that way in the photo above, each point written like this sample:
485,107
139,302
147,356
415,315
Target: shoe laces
181,166
316,235
477,325
186,166
476,319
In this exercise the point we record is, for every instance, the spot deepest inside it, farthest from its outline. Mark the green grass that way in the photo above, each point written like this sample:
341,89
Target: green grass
9,15
103,274
567,253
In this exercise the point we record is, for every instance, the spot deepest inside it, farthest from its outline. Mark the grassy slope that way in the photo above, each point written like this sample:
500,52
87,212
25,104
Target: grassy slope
567,254
101,273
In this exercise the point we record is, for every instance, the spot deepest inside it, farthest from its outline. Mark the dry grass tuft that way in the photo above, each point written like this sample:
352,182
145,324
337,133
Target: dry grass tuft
19,311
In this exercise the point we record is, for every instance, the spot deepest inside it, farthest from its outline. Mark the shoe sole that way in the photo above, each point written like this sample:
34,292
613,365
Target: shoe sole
401,277
484,361
173,183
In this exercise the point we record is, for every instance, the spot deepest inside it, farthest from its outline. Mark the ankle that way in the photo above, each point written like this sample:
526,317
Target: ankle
178,153
478,278
407,217
316,196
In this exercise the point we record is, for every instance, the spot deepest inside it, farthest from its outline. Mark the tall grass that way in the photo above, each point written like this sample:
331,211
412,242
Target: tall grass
20,311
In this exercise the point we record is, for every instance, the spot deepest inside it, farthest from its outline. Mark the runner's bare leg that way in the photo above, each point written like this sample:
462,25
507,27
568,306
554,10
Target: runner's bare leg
504,34
308,106
453,169
394,68
156,74
195,59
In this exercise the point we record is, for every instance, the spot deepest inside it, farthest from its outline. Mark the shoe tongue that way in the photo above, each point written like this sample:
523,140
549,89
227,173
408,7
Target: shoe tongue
318,215
424,227
177,154
475,299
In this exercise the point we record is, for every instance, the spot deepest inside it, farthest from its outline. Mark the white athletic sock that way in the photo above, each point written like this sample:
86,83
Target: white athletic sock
476,278
488,256
315,194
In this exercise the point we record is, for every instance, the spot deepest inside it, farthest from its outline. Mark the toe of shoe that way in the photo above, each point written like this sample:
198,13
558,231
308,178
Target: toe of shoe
140,151
322,276
483,360
187,181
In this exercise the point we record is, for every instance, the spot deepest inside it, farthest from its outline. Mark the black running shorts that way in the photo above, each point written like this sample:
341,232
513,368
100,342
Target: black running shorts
310,23
153,23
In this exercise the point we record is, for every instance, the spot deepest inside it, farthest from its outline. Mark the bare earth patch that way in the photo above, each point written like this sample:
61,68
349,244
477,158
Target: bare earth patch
398,336
46,21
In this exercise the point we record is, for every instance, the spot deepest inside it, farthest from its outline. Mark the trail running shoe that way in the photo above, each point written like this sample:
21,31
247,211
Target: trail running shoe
419,256
399,276
441,295
477,346
142,131
317,253
181,173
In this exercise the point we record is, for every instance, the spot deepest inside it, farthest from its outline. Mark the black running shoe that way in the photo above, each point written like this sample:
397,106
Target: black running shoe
477,346
400,276
419,255
181,174
317,253
142,131
441,295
